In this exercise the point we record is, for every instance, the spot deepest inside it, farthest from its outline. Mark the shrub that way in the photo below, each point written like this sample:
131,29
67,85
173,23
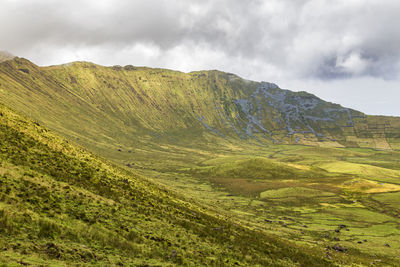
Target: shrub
47,229
6,225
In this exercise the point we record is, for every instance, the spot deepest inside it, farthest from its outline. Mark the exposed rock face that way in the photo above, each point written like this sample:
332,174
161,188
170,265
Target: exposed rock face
277,115
4,56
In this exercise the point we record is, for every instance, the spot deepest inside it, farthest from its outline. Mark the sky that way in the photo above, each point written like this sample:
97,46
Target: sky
344,51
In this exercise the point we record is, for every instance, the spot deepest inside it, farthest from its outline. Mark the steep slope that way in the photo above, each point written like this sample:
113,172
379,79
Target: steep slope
62,205
124,107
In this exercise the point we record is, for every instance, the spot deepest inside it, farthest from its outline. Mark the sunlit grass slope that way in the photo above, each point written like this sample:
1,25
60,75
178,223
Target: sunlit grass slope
111,108
256,168
61,205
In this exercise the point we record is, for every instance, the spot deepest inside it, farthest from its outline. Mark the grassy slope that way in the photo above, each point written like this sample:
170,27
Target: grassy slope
150,129
105,107
60,205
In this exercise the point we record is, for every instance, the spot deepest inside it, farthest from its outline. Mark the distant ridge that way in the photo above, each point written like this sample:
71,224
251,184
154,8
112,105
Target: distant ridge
134,106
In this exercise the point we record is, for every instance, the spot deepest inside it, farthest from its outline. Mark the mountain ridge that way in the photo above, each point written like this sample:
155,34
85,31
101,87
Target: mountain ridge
160,104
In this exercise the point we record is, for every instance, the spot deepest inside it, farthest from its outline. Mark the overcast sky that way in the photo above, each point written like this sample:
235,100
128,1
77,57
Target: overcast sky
344,51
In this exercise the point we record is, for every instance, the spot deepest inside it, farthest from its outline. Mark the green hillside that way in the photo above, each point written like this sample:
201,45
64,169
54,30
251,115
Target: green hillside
62,205
113,106
162,168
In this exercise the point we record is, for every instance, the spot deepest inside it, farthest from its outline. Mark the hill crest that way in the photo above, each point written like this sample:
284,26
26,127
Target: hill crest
170,106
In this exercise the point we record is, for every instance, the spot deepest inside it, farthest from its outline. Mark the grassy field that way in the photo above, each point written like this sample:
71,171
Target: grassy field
302,194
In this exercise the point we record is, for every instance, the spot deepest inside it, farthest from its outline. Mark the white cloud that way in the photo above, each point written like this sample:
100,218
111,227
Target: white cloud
353,63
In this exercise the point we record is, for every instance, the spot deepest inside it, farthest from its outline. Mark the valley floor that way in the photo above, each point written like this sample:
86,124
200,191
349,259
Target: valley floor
334,199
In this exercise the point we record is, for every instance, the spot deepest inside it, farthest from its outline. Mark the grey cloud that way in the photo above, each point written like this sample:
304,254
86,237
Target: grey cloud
307,38
84,23
322,39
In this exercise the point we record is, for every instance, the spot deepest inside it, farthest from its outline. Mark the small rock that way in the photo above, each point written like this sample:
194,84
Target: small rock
339,248
221,228
24,70
173,254
328,255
